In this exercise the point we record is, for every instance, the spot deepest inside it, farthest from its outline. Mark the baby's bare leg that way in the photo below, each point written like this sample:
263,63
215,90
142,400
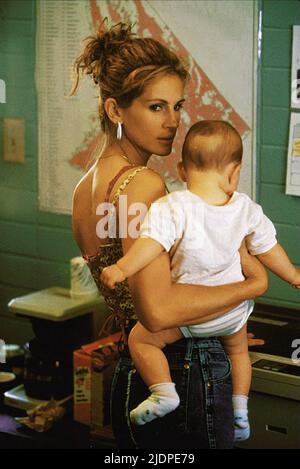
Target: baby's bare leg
236,346
146,351
150,361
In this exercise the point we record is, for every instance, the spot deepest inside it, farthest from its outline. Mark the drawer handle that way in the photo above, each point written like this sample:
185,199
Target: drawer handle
273,428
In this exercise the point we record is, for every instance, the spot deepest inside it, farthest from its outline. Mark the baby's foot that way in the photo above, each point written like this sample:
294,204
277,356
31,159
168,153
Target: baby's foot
152,408
163,400
241,425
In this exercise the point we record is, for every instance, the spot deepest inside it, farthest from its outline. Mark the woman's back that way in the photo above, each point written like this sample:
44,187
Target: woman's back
104,183
89,193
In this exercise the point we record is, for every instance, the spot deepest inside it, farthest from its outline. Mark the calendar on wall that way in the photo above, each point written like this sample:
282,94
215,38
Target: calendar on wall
293,159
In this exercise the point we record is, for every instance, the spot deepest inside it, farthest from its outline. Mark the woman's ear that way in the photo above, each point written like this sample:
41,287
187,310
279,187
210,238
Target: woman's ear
112,110
181,171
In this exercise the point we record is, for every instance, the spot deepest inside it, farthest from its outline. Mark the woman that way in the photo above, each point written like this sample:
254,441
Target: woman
141,93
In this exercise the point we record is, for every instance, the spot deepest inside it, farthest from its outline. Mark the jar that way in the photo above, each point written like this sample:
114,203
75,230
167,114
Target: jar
14,360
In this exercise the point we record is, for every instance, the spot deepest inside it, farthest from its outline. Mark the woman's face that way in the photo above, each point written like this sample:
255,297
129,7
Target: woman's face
151,121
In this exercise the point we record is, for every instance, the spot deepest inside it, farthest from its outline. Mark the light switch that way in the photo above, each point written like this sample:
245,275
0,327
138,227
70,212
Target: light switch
14,140
2,91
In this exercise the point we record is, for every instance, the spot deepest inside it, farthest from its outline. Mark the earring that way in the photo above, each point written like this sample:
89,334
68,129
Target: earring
119,131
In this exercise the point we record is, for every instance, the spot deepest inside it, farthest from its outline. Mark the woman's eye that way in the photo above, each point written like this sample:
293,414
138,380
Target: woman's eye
156,107
178,107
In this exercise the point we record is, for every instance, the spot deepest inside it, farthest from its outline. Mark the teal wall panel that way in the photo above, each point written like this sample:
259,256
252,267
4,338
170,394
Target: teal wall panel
281,13
276,46
19,176
273,131
281,208
274,90
18,238
35,246
55,244
273,164
18,9
18,205
291,237
274,126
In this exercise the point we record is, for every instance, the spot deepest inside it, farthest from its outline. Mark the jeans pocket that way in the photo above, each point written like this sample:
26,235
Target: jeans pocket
219,365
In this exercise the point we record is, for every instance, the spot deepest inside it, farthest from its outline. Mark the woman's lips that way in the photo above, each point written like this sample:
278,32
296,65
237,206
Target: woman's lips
166,140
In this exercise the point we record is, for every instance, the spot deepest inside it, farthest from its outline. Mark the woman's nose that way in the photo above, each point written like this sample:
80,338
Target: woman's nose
172,120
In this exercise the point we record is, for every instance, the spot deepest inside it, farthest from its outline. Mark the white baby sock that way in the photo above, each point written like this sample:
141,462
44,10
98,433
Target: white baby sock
163,399
241,422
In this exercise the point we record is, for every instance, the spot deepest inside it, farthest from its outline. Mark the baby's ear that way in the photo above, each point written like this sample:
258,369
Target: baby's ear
235,177
181,171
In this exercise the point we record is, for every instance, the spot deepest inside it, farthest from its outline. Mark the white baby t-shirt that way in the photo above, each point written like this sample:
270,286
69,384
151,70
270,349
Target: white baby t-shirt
203,242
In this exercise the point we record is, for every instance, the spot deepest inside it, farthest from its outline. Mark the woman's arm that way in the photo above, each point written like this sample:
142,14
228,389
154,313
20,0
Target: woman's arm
141,253
161,304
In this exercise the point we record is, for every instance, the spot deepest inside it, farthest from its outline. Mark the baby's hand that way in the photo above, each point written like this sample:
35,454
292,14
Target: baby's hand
112,275
296,282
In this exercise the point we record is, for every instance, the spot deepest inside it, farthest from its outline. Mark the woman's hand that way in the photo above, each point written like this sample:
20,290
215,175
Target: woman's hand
255,273
252,341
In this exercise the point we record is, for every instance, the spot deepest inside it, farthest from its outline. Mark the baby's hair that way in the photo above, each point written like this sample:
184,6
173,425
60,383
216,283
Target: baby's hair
212,145
122,65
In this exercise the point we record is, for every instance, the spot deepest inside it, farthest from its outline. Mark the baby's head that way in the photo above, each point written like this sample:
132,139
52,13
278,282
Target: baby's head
212,146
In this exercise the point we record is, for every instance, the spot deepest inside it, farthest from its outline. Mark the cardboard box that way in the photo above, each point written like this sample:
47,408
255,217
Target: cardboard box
93,368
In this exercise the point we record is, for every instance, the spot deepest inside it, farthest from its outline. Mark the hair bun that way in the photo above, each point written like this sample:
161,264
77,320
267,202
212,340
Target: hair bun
107,43
101,49
110,40
118,33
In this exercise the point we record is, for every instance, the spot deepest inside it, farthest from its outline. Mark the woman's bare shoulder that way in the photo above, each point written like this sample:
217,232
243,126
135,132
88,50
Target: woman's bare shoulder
146,185
81,194
80,187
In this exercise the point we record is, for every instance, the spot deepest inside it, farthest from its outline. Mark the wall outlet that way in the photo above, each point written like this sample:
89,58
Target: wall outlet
14,140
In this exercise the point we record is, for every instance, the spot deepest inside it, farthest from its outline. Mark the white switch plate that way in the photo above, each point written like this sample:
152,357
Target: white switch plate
14,140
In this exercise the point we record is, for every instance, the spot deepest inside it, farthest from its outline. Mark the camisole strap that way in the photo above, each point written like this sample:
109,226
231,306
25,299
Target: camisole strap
114,180
126,182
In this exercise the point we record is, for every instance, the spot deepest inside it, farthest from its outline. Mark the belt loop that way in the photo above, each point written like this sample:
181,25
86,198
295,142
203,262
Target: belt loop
189,350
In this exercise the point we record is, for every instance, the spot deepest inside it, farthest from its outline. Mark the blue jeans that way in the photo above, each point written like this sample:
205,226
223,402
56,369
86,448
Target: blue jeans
204,418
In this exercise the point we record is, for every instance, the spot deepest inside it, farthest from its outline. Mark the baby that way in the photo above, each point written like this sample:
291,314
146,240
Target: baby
202,229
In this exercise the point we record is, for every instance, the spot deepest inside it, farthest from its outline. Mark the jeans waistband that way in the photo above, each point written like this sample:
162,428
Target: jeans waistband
184,346
194,343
